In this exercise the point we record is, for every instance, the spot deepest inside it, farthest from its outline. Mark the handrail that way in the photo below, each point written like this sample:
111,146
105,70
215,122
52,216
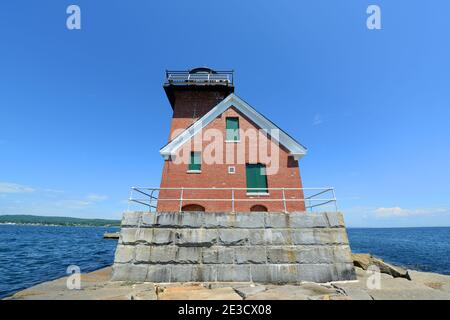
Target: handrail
214,188
185,77
313,201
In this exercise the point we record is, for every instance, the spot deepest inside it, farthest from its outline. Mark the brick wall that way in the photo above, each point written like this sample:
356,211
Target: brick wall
216,174
190,105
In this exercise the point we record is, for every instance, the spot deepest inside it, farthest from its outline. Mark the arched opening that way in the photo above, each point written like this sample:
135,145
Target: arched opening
258,208
193,208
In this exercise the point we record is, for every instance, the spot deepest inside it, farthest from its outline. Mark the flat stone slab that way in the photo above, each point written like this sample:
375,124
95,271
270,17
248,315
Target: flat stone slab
357,294
431,280
94,286
249,290
294,292
391,288
97,286
196,292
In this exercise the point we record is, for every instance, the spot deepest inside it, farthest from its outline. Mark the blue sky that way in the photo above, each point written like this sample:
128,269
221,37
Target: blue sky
83,113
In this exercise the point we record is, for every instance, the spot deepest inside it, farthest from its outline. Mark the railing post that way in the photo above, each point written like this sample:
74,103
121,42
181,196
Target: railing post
284,202
335,200
181,198
232,200
129,200
151,201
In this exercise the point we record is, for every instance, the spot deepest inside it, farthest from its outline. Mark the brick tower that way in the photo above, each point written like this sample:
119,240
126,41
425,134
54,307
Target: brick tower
254,165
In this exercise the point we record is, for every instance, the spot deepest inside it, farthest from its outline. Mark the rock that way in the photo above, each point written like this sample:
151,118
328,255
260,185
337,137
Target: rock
246,291
251,255
129,272
300,220
192,273
357,294
389,288
233,237
362,274
189,255
158,273
280,293
197,293
144,292
403,289
124,291
295,273
175,219
97,286
335,219
218,254
364,261
160,236
337,297
309,254
290,292
124,253
131,218
238,273
94,286
250,220
431,280
214,285
196,237
318,289
93,278
163,254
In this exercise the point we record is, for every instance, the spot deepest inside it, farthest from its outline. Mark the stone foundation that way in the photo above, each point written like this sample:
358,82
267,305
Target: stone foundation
233,247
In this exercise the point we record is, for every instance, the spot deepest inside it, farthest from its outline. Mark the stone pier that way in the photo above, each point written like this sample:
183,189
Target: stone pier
256,247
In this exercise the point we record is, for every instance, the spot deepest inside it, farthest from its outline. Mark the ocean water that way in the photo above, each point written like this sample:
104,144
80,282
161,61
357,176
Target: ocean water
33,254
423,249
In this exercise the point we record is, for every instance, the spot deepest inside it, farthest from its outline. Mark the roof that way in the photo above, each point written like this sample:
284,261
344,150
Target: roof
202,69
200,79
295,148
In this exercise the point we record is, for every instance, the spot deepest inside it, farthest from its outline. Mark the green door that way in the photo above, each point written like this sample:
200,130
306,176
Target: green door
256,178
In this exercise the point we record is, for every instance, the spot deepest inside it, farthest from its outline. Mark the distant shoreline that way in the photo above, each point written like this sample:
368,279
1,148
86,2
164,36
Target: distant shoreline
398,227
56,225
32,220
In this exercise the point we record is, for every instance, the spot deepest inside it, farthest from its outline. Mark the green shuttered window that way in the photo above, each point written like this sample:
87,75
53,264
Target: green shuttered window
232,125
256,178
195,163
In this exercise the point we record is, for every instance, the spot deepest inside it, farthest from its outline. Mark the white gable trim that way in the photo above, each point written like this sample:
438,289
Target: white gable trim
295,148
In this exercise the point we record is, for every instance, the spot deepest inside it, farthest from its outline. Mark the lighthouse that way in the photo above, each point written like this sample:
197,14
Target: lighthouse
231,206
223,155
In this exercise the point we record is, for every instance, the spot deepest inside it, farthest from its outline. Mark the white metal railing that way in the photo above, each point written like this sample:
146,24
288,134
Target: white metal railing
181,77
312,197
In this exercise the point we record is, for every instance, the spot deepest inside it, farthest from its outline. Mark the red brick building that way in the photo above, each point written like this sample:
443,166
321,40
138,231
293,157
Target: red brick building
222,154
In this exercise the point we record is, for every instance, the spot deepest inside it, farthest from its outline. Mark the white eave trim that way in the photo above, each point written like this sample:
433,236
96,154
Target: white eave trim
295,148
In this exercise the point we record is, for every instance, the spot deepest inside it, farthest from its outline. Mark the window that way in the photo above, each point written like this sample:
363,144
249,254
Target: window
256,178
193,208
232,126
195,163
258,208
231,170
